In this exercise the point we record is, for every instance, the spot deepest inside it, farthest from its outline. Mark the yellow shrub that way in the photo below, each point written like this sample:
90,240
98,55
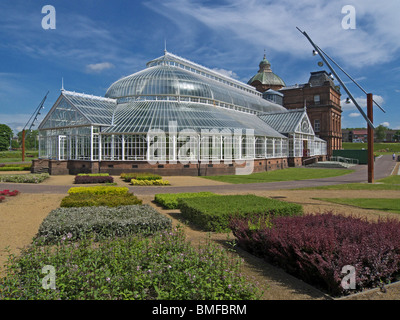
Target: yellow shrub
158,182
99,190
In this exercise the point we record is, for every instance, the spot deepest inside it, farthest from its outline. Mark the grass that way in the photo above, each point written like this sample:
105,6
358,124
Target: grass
388,205
388,183
289,174
16,156
379,148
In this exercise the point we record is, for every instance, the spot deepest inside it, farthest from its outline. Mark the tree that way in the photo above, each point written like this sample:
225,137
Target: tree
30,139
396,136
380,132
5,134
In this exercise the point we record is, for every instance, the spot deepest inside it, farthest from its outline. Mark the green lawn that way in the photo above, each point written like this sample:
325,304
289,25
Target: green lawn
16,156
379,148
388,183
289,174
389,205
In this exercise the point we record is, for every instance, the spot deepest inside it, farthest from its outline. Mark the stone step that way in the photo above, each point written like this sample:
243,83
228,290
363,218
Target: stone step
330,164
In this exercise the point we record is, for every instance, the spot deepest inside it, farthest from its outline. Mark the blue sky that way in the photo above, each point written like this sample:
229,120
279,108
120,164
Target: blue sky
96,42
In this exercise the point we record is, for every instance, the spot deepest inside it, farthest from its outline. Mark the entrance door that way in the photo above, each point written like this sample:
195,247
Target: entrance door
306,152
63,148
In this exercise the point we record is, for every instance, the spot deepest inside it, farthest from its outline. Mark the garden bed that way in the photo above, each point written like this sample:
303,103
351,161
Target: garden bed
24,178
317,248
213,213
100,222
170,200
165,267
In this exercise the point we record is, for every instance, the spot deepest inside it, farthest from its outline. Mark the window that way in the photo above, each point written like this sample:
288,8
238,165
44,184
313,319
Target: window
317,99
317,125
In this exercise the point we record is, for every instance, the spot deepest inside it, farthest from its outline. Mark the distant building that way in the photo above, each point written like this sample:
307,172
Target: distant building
320,96
361,135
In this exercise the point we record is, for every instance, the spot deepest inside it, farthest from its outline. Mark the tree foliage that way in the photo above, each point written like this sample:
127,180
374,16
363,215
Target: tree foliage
5,133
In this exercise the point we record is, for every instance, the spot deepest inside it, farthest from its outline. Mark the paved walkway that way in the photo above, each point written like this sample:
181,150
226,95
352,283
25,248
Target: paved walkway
384,166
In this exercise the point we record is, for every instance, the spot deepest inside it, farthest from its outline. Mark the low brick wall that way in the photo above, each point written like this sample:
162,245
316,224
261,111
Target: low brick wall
56,167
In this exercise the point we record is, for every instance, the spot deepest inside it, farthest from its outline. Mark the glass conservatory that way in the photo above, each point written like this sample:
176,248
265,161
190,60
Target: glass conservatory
173,111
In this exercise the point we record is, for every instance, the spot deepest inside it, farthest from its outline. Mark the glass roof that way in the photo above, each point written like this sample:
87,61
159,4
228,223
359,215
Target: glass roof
171,78
77,109
141,116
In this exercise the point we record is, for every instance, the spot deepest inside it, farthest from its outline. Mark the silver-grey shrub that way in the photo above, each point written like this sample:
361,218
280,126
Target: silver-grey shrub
100,222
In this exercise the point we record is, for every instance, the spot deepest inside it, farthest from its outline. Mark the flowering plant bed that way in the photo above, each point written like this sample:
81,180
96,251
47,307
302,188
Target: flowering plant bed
8,193
24,178
100,222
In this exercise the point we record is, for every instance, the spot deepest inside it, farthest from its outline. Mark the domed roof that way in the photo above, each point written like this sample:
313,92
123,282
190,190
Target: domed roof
167,81
265,75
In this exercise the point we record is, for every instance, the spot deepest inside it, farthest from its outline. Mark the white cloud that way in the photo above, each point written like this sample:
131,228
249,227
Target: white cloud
272,24
227,73
98,67
385,124
354,115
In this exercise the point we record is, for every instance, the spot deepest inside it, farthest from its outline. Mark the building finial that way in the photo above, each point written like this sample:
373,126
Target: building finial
62,84
165,46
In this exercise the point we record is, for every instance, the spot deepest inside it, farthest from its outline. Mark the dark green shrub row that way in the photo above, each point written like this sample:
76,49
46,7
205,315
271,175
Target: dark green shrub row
127,177
213,213
101,222
165,267
170,200
106,200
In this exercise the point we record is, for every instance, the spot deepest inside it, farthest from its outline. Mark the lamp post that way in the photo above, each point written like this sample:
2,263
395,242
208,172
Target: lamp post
370,102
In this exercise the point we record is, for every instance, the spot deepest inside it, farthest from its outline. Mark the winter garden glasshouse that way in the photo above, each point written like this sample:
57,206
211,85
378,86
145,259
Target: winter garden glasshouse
174,112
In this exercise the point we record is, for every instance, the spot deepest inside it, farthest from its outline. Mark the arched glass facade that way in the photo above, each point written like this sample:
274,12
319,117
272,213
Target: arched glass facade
174,110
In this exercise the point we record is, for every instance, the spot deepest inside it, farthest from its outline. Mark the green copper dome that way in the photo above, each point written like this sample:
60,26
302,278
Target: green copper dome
265,75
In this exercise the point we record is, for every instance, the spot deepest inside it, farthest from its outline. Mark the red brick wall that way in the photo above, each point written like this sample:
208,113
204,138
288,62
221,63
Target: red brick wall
168,169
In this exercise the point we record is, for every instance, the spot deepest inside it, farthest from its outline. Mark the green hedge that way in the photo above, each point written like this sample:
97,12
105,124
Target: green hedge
170,200
213,213
100,223
107,200
127,177
15,167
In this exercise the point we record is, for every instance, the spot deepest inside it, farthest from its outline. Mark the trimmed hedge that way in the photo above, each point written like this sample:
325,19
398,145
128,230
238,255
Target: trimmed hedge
127,177
99,190
15,168
158,182
213,213
170,200
315,248
107,200
100,223
93,179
